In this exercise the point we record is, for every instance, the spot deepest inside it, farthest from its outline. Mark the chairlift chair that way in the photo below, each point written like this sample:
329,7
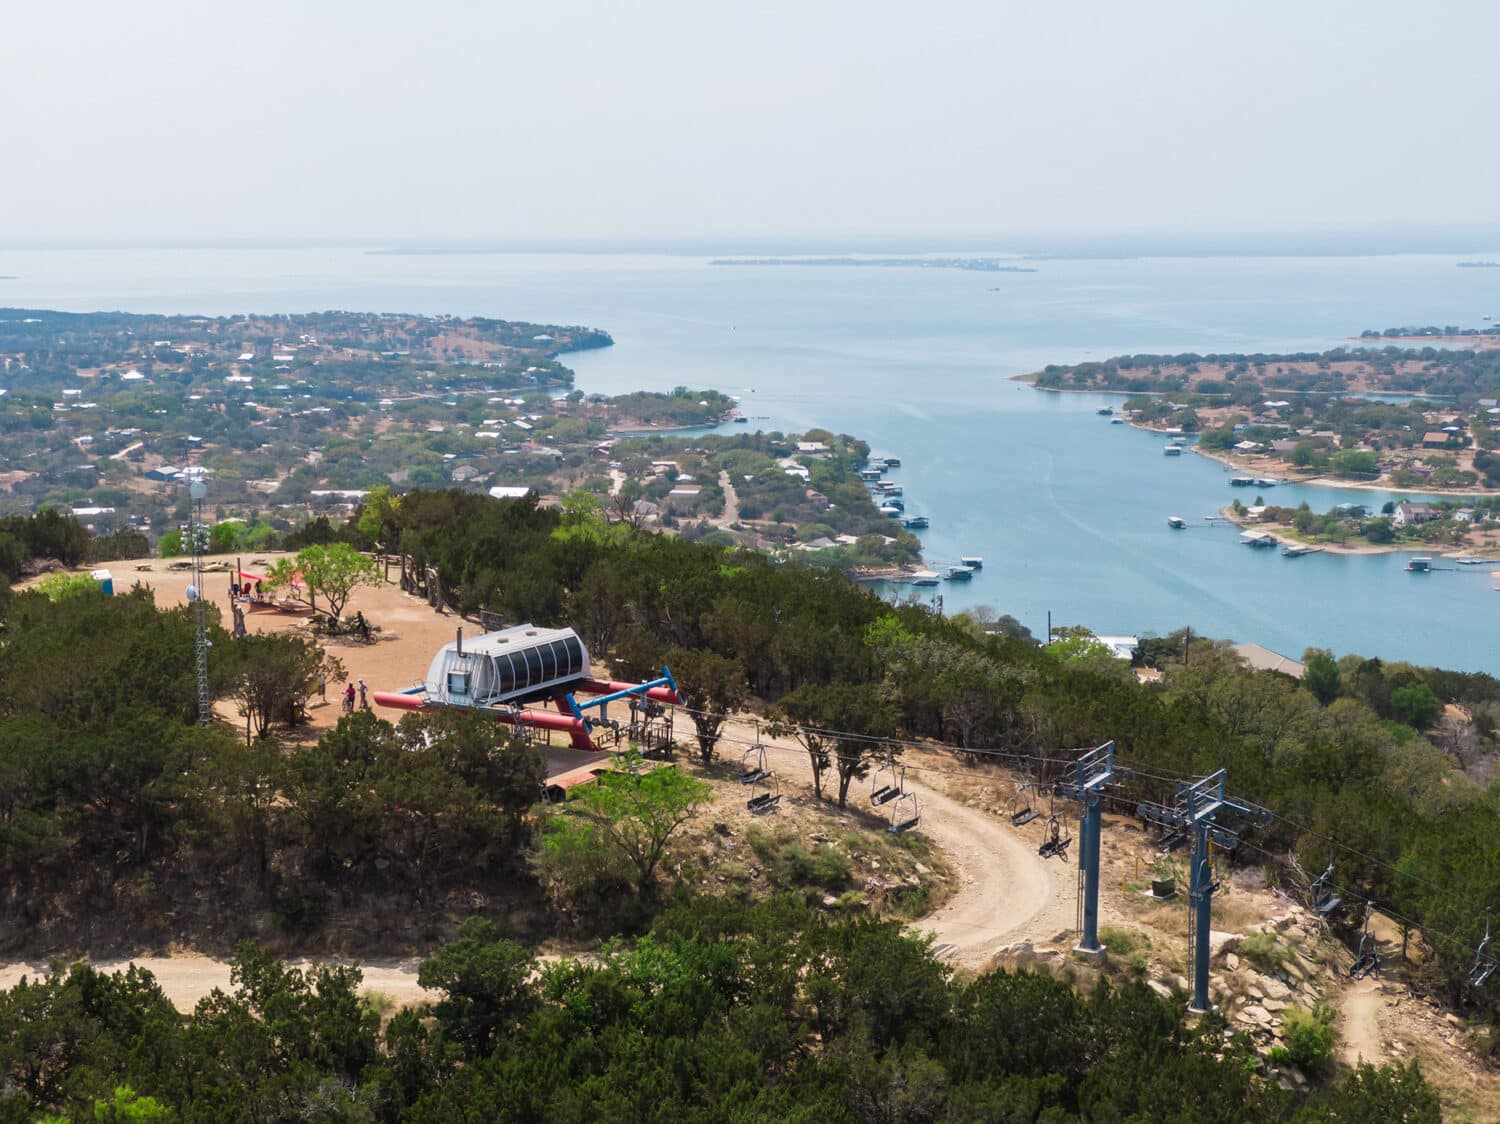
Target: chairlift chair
765,794
1055,839
884,791
906,813
1367,957
1484,966
1022,808
753,764
1324,899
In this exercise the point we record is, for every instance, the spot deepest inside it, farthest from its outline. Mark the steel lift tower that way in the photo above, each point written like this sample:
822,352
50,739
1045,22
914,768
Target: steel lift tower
1093,771
1194,810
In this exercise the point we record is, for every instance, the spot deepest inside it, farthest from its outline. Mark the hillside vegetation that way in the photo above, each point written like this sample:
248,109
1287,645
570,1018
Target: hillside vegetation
125,820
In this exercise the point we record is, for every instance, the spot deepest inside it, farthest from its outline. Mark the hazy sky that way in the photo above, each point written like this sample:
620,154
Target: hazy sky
437,119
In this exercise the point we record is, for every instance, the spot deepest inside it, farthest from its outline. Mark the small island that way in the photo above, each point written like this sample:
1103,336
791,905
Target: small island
979,265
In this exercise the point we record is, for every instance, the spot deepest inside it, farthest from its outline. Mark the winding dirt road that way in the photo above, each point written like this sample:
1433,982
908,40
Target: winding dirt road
1005,893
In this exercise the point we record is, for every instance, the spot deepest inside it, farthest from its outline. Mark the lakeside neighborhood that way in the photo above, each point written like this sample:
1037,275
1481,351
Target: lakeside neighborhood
106,416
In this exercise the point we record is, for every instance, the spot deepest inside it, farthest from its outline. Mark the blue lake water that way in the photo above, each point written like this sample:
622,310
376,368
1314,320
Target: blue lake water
1068,511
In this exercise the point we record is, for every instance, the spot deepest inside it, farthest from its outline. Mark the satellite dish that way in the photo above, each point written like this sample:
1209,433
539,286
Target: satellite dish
192,593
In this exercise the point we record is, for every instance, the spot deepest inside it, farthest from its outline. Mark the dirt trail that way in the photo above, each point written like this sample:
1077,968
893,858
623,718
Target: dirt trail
1005,892
731,502
187,977
1361,1025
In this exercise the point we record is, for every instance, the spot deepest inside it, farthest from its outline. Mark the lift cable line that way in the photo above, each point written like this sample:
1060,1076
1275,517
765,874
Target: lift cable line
1032,759
1223,839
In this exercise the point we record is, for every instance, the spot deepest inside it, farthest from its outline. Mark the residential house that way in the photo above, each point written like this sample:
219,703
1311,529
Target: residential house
1408,514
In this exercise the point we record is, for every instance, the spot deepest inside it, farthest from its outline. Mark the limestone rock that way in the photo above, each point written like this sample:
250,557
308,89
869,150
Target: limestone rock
1274,988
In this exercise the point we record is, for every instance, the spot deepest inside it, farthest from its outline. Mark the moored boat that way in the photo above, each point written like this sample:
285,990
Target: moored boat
926,578
958,574
972,561
1171,451
1420,566
915,523
1176,522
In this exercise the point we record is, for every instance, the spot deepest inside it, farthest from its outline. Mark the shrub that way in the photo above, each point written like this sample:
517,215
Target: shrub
1263,950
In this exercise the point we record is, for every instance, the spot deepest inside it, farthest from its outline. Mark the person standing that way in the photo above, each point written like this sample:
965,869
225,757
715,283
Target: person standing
364,701
323,686
349,699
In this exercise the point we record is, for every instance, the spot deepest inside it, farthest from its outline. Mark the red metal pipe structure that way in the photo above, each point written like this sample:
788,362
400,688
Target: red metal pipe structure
541,719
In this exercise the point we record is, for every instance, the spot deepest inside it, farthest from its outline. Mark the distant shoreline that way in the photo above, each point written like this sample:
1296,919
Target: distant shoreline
977,265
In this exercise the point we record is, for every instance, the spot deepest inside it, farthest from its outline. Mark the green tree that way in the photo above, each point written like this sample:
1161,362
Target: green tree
713,686
274,674
333,571
486,986
224,537
843,724
379,517
632,814
1415,705
1358,463
129,1107
1321,676
62,585
170,543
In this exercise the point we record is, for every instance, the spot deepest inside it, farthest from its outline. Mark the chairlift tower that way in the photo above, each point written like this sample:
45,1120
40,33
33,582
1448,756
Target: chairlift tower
198,538
1194,809
1093,771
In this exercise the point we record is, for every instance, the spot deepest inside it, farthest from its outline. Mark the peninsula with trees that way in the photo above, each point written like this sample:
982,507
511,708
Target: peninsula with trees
1419,418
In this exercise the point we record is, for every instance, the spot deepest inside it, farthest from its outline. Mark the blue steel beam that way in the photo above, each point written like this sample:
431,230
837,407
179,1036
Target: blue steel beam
639,690
1093,770
1194,809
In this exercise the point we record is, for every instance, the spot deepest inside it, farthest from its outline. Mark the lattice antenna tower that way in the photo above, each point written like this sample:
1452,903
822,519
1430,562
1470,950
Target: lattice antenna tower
198,538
